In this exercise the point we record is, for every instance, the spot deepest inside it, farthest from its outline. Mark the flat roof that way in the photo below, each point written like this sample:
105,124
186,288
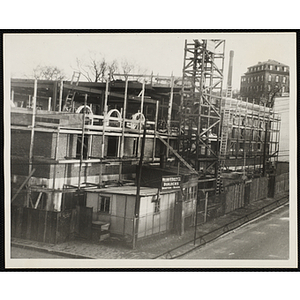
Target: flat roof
130,190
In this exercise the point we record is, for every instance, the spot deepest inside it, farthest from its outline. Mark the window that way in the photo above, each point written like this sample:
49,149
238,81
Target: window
284,79
271,67
262,77
285,69
103,204
270,78
283,89
269,88
277,78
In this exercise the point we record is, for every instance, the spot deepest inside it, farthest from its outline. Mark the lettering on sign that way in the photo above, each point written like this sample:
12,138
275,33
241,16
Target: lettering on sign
170,182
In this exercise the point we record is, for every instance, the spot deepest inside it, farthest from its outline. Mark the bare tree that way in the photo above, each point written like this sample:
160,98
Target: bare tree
48,73
269,96
127,67
96,69
113,67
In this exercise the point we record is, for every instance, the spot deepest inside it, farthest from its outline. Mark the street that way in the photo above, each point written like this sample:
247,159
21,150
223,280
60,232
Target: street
265,238
17,252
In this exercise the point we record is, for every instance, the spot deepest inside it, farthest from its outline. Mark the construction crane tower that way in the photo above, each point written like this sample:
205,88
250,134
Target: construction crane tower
200,109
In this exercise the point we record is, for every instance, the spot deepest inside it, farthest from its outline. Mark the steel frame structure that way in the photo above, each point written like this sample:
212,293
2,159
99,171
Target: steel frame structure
200,110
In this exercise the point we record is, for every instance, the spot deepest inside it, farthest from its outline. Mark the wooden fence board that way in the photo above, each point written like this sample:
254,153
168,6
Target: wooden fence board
282,183
34,224
16,221
42,225
25,224
85,221
51,220
64,226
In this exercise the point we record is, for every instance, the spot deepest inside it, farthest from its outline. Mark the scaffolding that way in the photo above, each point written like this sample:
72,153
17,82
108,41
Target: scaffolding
252,137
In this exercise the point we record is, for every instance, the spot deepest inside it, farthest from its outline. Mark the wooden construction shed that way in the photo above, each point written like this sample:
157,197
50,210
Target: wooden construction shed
115,206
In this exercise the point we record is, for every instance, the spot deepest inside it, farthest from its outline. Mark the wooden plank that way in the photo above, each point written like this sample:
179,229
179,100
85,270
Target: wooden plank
14,218
34,224
41,228
85,222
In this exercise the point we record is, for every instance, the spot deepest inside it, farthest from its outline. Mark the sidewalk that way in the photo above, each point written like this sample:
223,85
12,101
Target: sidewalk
146,249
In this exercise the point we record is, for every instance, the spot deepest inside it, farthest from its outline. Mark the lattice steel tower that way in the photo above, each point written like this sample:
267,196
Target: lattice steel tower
200,109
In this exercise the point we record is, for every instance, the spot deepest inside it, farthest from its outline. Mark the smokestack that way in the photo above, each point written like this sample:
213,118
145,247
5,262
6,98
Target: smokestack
229,79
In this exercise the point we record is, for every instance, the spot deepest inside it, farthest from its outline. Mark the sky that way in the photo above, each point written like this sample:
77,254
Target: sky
160,53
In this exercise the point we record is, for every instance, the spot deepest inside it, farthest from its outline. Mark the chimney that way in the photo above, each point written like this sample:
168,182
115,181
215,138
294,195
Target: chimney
229,79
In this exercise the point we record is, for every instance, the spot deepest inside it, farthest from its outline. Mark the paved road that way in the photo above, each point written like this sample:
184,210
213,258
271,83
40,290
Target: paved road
264,238
17,252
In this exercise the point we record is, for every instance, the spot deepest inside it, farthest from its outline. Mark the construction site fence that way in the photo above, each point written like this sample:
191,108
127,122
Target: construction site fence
56,227
281,183
240,195
50,226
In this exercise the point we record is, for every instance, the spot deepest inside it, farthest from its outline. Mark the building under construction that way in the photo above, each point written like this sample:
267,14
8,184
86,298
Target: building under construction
93,145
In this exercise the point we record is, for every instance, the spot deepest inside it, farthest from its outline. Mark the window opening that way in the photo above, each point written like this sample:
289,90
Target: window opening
135,147
112,146
103,204
85,146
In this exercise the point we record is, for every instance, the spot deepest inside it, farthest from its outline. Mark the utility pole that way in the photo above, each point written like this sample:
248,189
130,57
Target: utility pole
138,188
31,141
265,150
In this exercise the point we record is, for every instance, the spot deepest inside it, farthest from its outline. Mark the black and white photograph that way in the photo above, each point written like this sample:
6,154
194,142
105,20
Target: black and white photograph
150,149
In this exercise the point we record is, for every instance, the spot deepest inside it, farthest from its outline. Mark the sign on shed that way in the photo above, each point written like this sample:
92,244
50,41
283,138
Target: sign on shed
170,182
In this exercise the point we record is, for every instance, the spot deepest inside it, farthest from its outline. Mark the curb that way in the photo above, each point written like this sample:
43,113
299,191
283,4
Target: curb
60,253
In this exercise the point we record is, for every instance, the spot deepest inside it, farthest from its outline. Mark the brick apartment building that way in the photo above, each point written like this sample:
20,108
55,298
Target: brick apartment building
264,81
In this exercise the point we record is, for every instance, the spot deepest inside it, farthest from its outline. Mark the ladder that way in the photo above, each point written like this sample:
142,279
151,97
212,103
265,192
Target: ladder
68,106
223,149
224,134
176,154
